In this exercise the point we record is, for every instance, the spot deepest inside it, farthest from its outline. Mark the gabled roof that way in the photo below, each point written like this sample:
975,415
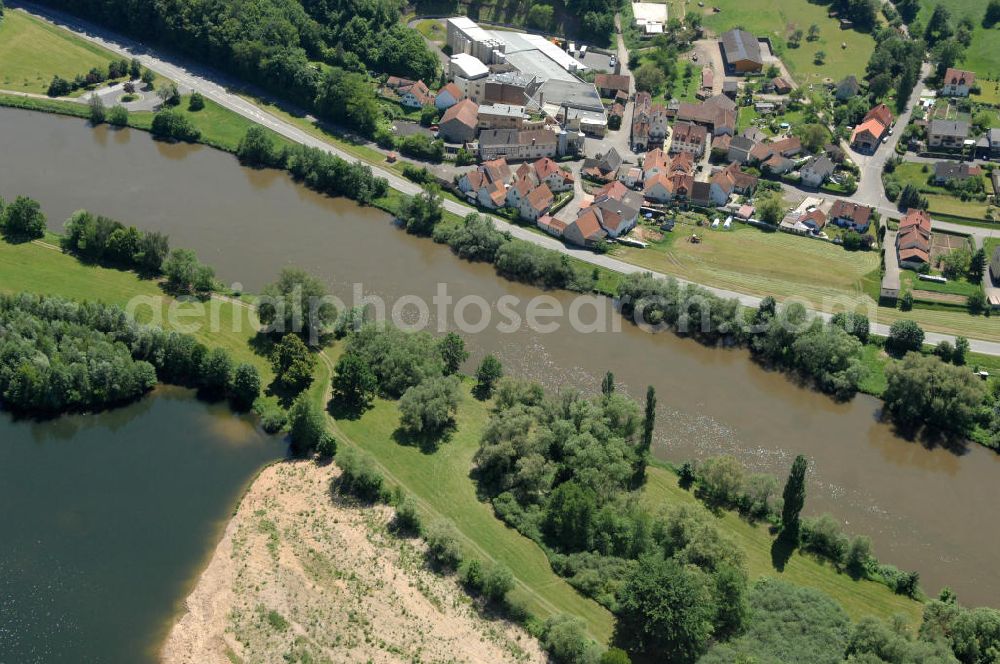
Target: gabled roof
821,165
550,223
688,132
540,198
872,126
655,158
451,89
545,167
959,77
880,113
496,170
589,225
914,218
614,190
952,128
947,170
859,214
465,112
612,82
522,186
741,45
419,90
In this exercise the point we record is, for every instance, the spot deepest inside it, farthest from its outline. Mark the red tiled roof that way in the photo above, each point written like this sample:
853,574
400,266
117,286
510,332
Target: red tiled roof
880,113
540,198
871,126
842,209
466,112
453,90
612,82
919,219
959,77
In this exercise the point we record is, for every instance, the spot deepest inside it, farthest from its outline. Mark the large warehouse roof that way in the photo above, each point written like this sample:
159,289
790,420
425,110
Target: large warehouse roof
741,45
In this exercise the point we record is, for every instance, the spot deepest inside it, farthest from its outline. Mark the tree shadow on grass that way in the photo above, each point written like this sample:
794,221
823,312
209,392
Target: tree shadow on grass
427,442
782,548
343,409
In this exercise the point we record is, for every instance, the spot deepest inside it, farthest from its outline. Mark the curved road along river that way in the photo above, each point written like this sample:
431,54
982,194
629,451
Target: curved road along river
212,84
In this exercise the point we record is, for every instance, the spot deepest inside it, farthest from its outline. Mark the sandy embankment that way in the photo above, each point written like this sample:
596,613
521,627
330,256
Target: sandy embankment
300,573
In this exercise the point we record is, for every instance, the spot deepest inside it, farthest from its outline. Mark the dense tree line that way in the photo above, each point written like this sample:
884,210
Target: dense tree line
57,355
895,64
316,168
785,337
477,239
277,43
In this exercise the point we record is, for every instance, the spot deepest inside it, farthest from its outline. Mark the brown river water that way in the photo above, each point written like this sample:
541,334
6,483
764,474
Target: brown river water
932,510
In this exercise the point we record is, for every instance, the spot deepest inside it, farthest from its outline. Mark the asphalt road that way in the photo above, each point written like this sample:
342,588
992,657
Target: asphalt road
213,85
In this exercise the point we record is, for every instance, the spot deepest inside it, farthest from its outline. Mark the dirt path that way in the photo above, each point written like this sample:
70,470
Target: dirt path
300,574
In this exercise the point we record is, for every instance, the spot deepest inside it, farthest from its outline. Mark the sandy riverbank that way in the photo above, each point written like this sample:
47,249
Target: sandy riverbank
300,574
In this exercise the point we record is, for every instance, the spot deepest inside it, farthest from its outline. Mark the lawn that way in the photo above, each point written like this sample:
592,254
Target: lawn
983,55
753,261
32,52
859,598
40,267
440,482
777,19
939,198
220,127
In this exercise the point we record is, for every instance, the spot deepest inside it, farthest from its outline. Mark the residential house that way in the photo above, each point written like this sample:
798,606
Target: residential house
707,82
781,85
689,137
394,83
416,95
517,145
551,225
953,170
518,191
586,229
659,124
957,82
641,121
458,124
448,96
665,187
847,214
807,221
655,161
720,146
501,116
778,165
604,167
717,114
631,177
701,194
741,52
547,172
728,181
739,149
489,171
609,85
948,134
536,203
847,89
816,171
785,147
913,239
616,216
867,135
989,144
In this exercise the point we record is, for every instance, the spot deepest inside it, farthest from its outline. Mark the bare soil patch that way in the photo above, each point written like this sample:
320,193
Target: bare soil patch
301,575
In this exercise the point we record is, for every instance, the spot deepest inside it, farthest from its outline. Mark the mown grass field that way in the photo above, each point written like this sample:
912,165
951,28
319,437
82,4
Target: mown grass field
753,261
778,19
32,52
40,267
441,483
983,55
859,598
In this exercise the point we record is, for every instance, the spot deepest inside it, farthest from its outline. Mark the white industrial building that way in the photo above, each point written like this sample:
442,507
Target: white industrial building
554,85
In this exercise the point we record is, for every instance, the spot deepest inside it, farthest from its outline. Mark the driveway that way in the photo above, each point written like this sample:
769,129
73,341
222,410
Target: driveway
211,84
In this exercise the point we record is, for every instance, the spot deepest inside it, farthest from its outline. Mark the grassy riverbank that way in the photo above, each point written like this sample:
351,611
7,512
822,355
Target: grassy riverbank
32,52
440,482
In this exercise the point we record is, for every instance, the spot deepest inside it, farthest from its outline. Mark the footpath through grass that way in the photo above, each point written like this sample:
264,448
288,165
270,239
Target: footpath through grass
32,52
440,481
859,598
